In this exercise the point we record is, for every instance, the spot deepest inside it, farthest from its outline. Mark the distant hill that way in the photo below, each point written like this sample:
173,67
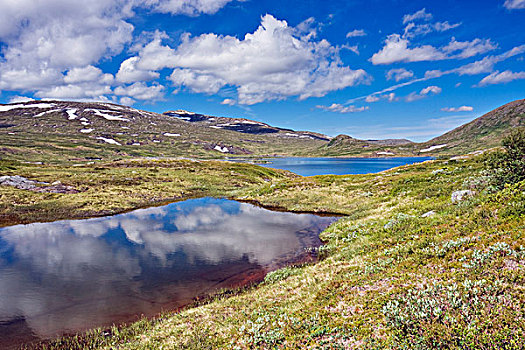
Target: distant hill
241,125
45,130
80,131
484,132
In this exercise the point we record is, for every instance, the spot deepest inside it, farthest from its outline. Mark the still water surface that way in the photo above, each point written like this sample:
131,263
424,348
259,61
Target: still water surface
68,276
338,166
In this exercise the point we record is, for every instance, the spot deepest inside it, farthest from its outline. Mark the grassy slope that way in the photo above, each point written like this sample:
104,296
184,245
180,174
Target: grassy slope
389,279
110,188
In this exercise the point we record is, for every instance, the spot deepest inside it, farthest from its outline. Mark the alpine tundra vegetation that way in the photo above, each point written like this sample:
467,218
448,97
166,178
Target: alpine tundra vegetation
131,130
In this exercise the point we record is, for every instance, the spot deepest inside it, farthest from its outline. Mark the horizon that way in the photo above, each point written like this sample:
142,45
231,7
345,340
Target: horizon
370,70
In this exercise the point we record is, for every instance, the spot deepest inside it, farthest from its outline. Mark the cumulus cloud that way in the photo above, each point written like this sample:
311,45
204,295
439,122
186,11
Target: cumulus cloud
19,99
141,91
228,101
419,15
458,109
501,77
338,108
429,90
397,49
129,73
44,38
355,33
372,98
514,4
272,63
399,74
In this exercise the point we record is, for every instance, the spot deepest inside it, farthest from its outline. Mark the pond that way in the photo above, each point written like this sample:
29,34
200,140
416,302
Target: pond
68,276
337,166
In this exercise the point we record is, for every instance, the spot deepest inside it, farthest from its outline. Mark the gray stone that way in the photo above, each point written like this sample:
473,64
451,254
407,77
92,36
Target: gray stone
458,196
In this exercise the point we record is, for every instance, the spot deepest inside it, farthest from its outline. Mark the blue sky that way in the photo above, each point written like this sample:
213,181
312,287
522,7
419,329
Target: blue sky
369,69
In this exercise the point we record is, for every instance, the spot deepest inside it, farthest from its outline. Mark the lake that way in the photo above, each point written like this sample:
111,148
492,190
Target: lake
69,276
337,166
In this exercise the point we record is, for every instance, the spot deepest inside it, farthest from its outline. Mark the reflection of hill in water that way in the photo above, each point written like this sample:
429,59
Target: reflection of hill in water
72,275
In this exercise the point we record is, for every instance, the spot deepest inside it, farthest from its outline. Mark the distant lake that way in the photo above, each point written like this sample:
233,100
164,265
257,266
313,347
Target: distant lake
338,166
71,275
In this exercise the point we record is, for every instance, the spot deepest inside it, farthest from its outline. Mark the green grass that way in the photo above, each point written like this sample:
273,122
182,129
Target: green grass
109,188
388,279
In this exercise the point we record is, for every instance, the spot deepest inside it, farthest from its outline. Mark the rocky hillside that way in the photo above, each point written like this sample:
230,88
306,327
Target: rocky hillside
241,125
39,130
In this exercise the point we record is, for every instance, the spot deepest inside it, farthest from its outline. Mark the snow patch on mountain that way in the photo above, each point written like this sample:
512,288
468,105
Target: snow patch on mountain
103,114
431,148
110,141
6,108
71,113
46,112
221,149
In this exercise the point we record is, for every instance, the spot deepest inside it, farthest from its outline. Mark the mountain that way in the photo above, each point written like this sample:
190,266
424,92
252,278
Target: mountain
47,130
484,132
242,125
83,131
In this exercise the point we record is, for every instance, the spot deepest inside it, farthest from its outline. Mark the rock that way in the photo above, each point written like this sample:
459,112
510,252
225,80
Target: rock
437,171
19,182
23,183
458,196
428,214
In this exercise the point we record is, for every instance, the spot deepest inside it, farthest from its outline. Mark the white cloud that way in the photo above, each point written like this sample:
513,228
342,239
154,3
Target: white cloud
391,97
127,101
419,15
514,4
44,38
355,33
399,74
458,109
372,98
19,99
129,73
429,90
228,101
466,49
273,63
141,91
338,108
412,30
87,74
397,49
482,66
501,78
86,91
186,7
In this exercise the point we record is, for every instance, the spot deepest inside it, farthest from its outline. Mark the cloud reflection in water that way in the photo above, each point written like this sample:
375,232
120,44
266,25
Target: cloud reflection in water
72,275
